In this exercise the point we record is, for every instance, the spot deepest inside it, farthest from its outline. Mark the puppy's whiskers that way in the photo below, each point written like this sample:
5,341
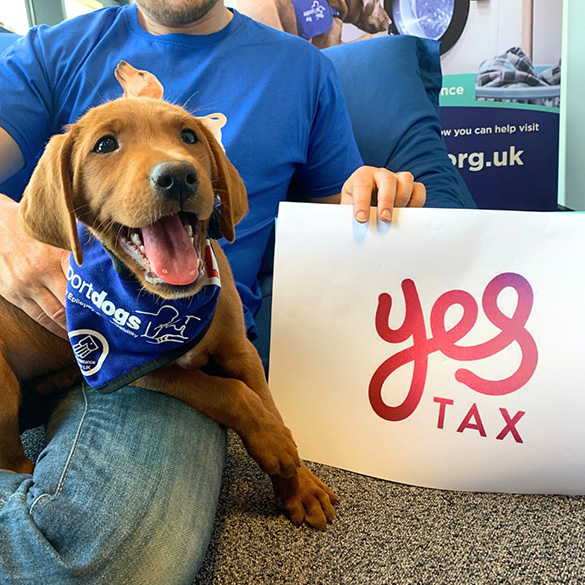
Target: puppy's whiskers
184,105
105,225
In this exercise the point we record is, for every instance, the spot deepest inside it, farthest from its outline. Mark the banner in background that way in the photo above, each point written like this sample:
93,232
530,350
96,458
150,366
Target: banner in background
500,100
501,65
436,351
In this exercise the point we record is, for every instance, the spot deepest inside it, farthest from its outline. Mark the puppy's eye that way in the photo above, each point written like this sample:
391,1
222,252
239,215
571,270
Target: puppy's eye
189,137
105,144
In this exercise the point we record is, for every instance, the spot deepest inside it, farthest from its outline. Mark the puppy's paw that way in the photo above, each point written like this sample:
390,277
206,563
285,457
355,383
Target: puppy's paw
273,448
306,498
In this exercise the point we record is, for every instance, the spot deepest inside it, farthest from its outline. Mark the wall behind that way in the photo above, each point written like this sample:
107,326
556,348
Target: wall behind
572,131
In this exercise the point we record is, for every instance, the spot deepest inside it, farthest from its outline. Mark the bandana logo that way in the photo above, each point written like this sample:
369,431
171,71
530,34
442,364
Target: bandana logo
90,348
317,10
170,328
314,17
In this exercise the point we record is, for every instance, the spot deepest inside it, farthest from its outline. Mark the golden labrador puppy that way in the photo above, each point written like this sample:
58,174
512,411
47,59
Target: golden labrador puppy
144,179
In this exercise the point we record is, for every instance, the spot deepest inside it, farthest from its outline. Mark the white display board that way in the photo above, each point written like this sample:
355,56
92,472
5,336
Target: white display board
443,350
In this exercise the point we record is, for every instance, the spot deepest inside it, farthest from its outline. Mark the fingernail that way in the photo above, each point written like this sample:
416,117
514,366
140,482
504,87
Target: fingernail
361,216
386,215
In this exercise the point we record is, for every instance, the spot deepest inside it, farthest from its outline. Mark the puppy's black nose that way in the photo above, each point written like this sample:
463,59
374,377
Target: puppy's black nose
176,179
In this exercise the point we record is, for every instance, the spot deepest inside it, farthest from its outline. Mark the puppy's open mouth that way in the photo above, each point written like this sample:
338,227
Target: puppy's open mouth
169,250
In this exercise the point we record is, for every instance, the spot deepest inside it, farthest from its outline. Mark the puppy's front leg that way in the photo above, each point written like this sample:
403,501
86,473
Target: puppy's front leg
240,360
304,496
232,403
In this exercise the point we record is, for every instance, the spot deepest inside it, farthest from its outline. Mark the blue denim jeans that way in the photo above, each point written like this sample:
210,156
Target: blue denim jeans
124,493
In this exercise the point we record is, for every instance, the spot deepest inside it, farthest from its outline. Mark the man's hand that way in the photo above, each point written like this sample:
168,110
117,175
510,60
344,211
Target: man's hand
32,274
378,187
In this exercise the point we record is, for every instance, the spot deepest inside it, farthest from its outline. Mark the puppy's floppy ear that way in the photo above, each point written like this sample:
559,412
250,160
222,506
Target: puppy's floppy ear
46,209
228,184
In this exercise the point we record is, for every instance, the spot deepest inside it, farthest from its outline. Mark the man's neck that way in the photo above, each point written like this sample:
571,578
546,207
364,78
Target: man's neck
215,20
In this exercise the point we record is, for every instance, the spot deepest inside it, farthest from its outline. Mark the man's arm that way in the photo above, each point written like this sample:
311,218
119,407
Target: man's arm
11,159
371,186
32,274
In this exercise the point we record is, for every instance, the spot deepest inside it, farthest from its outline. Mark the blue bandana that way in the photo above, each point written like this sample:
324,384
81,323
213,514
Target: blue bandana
118,331
314,17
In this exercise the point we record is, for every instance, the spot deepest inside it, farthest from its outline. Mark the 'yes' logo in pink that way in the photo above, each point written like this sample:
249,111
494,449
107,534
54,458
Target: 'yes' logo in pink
511,330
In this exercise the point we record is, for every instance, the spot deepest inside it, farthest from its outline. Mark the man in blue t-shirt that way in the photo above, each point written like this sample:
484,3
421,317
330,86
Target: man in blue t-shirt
126,489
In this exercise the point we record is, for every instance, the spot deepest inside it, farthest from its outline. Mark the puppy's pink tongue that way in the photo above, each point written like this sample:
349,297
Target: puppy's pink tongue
169,250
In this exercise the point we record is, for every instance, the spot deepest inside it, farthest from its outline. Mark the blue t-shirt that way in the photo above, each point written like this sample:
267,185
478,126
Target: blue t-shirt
286,114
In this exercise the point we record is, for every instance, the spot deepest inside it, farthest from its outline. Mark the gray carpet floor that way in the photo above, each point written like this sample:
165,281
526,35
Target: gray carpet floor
387,533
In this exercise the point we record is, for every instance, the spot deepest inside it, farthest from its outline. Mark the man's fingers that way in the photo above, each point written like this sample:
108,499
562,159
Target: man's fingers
48,312
54,310
419,195
51,298
369,186
33,276
386,184
404,183
65,263
57,282
408,193
358,190
45,300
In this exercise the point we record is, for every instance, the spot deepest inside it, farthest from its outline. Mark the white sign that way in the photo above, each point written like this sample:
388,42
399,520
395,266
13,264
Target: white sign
444,350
